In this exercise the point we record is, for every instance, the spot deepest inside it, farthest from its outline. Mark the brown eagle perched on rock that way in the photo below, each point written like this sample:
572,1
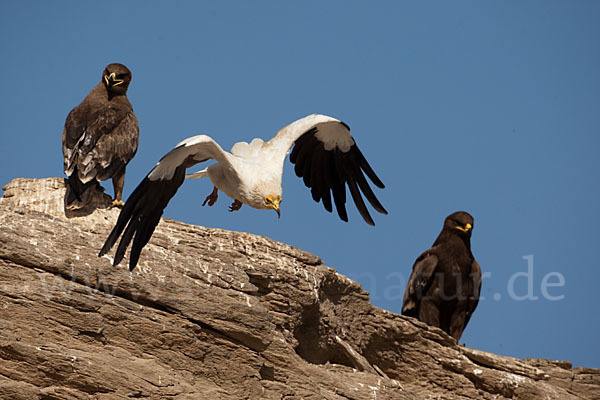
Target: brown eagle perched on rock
100,137
443,289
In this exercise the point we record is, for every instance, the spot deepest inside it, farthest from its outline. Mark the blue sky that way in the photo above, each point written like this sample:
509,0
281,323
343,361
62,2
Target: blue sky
488,107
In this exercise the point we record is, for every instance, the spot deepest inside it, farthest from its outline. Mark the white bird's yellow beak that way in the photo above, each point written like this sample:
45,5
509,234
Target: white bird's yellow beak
273,202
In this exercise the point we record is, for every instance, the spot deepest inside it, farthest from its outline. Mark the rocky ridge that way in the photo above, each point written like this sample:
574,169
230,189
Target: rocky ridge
213,314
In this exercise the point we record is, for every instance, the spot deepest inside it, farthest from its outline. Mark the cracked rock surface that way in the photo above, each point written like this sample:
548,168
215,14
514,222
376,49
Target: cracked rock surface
213,314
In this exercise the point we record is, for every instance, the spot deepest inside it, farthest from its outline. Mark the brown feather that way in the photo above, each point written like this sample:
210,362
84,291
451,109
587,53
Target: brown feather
101,134
445,283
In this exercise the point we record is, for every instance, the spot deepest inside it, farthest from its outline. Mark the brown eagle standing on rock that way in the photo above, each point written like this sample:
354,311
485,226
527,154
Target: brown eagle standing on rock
443,289
100,137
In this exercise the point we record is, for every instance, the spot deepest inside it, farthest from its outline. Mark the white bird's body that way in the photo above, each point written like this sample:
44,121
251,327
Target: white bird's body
325,156
251,169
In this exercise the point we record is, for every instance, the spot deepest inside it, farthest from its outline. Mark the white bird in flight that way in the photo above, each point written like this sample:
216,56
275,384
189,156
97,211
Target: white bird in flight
325,156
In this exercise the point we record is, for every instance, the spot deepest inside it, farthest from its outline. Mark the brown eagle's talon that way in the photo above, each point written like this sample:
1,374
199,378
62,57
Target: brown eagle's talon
117,203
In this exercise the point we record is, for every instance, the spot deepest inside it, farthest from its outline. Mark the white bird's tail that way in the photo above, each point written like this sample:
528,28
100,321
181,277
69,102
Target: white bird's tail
197,175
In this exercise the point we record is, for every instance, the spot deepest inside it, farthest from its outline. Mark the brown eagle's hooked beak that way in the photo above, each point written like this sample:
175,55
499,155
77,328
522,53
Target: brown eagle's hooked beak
111,80
465,229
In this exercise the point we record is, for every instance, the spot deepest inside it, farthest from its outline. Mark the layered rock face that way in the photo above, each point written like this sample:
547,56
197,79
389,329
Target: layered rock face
212,314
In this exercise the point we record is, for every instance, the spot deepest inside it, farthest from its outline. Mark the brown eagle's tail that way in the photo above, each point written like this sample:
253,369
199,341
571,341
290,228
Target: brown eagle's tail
75,194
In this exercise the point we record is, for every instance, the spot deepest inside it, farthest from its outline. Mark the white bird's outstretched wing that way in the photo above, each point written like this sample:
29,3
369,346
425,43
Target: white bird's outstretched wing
327,158
143,209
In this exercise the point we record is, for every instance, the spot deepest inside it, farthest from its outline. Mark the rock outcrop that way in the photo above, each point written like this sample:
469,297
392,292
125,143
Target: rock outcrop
212,314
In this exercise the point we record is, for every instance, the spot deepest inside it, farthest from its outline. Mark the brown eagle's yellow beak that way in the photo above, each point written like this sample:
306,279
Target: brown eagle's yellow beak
465,229
111,80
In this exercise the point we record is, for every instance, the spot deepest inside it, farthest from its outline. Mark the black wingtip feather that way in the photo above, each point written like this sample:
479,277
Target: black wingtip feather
342,213
339,198
140,216
327,200
326,173
326,181
315,195
124,216
125,240
359,202
142,237
364,164
366,189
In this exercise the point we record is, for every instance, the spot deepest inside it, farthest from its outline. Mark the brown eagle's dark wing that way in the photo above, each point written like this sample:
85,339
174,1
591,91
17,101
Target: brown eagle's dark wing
74,128
85,146
114,150
475,291
420,280
108,143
